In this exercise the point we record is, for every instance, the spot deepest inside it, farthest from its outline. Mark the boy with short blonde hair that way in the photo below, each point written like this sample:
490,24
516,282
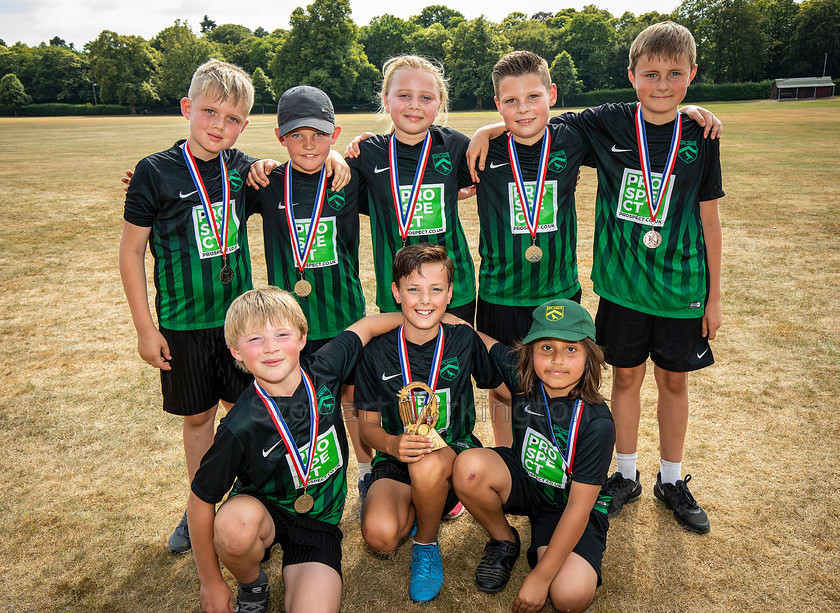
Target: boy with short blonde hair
283,448
187,203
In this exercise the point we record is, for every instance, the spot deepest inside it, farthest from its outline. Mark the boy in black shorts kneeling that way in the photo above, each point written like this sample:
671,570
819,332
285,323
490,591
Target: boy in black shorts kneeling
283,493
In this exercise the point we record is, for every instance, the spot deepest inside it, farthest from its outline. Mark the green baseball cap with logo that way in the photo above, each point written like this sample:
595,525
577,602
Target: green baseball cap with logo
564,320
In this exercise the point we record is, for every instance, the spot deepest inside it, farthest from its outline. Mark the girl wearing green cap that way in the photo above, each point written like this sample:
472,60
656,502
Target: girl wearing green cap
563,437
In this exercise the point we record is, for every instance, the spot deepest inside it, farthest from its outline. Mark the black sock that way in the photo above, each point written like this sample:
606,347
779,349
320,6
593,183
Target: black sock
257,585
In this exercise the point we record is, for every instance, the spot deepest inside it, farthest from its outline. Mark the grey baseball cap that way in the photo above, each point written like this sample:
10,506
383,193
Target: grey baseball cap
305,106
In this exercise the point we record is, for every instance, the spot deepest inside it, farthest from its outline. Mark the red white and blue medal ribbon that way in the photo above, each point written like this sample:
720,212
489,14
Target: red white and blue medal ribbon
405,213
654,203
286,435
531,210
574,426
405,367
301,252
221,236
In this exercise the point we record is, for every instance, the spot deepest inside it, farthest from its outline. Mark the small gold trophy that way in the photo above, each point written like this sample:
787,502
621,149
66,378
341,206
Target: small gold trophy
424,426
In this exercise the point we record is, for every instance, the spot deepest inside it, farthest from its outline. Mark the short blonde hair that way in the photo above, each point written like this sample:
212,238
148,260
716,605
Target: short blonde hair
520,63
415,62
665,39
223,81
255,307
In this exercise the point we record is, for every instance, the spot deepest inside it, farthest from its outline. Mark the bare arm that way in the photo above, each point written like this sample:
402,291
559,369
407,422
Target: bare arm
151,345
374,325
480,145
713,237
338,169
215,596
713,126
534,590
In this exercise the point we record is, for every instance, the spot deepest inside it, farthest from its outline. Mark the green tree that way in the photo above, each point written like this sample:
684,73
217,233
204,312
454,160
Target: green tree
385,37
263,94
564,76
123,67
322,49
589,37
206,24
471,52
55,41
438,13
531,35
817,33
429,42
781,22
59,74
181,52
12,93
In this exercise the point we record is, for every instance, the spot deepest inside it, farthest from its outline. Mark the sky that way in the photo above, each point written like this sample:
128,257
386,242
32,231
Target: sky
80,21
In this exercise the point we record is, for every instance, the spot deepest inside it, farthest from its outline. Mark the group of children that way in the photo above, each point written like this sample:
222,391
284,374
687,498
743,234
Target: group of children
297,360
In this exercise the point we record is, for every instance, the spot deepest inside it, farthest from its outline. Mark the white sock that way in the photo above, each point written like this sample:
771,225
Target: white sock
424,544
626,465
671,472
364,469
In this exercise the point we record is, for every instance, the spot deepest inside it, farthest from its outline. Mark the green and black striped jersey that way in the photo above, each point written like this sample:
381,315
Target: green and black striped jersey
188,258
332,267
436,216
248,449
379,378
536,445
505,276
672,279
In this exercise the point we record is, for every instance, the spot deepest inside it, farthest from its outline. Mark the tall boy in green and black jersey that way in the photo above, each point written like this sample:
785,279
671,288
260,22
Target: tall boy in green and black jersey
657,257
513,280
283,448
187,203
436,217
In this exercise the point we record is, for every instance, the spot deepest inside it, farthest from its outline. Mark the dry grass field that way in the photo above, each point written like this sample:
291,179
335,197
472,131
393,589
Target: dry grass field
96,473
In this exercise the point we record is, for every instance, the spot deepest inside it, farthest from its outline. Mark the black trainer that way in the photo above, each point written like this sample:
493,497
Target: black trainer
494,570
687,512
253,601
621,491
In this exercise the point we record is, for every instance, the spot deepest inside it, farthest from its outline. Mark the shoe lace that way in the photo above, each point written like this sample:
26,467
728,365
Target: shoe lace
614,483
423,561
250,607
684,494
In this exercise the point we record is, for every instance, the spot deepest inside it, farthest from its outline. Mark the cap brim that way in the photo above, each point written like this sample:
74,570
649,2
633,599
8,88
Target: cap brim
563,335
306,122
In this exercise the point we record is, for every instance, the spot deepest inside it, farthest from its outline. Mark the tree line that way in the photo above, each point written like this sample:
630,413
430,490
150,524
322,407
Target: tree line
737,41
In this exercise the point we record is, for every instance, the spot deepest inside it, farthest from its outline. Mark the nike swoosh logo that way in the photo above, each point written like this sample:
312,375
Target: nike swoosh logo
530,412
183,195
377,169
615,149
494,165
700,355
270,449
384,378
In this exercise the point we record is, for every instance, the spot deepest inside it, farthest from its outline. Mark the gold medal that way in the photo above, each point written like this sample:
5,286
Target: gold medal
533,254
304,503
652,239
423,430
303,288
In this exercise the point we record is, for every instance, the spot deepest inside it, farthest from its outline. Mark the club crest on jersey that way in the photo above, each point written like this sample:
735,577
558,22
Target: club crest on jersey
326,401
337,200
235,180
688,151
442,163
554,313
557,161
449,369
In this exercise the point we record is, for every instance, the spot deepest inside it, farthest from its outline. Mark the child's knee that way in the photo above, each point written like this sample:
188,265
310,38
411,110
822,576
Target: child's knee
199,419
571,598
237,529
381,536
468,470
